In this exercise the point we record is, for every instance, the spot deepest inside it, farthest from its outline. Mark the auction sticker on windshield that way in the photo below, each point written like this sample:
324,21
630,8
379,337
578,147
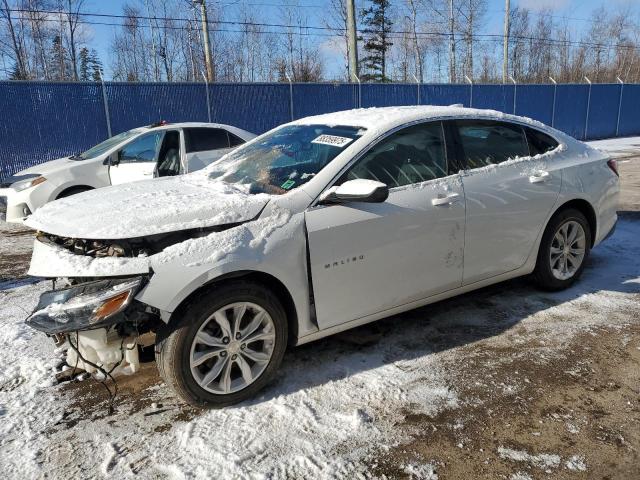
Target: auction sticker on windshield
333,140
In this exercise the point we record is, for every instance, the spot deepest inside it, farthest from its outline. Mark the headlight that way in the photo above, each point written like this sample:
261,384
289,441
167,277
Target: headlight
83,307
23,185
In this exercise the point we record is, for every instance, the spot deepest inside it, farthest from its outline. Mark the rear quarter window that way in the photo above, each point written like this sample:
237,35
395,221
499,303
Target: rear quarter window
204,139
539,142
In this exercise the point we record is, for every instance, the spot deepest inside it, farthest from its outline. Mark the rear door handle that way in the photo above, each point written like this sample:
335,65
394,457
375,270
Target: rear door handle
539,177
446,200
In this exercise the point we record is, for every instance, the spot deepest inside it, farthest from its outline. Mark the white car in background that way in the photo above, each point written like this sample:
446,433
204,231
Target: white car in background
158,150
315,227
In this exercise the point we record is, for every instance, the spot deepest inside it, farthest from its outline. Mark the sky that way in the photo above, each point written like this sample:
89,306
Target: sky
576,12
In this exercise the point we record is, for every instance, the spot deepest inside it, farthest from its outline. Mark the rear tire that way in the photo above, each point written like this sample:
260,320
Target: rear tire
225,347
563,251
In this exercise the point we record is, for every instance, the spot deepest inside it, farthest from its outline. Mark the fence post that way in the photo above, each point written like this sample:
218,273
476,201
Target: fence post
418,82
290,94
106,104
206,86
359,90
586,121
553,108
619,105
515,92
471,92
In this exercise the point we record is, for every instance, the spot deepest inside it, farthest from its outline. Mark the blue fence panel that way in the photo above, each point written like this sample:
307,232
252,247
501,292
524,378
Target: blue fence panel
42,121
535,101
571,109
134,104
389,94
253,107
630,112
316,98
445,94
603,111
494,97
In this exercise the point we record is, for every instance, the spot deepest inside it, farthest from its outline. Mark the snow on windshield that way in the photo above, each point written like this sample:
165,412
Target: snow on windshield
285,158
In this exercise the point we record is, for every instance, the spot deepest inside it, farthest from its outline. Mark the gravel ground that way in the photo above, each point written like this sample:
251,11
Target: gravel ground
506,382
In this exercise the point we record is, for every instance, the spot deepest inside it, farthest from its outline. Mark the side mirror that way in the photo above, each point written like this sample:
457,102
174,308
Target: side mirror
359,190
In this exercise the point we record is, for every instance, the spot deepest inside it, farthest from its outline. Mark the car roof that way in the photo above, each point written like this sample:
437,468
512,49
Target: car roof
386,118
187,125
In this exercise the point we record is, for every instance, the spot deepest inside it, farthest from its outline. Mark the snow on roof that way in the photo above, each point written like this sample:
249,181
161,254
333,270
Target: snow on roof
385,118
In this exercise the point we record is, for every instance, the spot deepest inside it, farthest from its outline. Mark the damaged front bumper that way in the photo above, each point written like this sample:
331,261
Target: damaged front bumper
86,306
99,324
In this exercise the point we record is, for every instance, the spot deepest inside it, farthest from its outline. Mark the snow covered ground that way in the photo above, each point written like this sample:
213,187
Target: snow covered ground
618,147
335,410
401,405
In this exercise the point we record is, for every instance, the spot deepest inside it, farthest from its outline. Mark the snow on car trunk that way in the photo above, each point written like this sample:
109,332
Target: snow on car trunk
145,208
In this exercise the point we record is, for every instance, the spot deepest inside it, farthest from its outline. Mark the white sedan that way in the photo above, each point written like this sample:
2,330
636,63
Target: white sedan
318,226
158,150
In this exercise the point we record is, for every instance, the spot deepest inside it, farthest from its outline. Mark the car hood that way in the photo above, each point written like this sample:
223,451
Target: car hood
47,167
148,207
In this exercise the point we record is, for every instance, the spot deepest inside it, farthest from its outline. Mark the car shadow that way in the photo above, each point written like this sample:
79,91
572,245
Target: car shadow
613,267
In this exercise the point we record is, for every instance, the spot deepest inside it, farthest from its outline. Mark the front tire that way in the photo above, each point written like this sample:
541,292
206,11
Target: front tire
564,250
225,347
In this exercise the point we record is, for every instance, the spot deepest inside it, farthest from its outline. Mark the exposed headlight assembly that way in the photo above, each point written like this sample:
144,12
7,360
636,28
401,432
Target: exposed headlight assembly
84,307
24,184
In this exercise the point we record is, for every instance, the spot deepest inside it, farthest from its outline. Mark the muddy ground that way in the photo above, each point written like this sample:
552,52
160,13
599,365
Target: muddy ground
530,404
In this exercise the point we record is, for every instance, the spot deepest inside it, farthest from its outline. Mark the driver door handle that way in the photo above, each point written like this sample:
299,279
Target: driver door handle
539,177
446,200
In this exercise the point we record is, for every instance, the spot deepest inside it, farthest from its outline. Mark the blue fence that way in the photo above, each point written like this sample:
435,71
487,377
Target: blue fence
41,121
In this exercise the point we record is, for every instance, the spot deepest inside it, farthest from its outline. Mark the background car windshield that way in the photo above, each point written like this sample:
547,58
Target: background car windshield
109,143
284,159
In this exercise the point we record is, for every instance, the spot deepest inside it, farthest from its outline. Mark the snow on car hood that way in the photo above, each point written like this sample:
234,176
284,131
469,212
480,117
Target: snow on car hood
149,207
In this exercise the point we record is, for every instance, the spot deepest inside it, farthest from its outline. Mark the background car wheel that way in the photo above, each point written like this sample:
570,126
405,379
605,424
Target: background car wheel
563,252
226,346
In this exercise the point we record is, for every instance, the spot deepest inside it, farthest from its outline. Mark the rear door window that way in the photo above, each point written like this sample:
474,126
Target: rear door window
487,142
204,139
539,142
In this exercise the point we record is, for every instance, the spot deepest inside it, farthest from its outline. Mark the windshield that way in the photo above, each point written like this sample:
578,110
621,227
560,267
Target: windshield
284,159
109,143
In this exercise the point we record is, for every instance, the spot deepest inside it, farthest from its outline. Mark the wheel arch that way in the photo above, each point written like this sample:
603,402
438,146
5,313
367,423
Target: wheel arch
71,190
265,279
586,209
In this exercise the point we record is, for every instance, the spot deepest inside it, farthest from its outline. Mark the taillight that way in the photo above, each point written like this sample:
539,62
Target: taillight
613,165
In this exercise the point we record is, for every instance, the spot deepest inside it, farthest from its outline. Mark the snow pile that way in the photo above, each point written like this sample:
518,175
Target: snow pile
618,147
542,460
576,463
148,207
420,471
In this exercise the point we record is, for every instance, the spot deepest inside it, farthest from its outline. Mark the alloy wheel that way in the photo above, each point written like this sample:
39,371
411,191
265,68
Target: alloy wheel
232,348
567,250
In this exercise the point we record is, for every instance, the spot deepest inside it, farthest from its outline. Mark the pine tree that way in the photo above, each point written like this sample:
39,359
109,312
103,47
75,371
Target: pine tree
377,30
96,69
59,59
85,64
